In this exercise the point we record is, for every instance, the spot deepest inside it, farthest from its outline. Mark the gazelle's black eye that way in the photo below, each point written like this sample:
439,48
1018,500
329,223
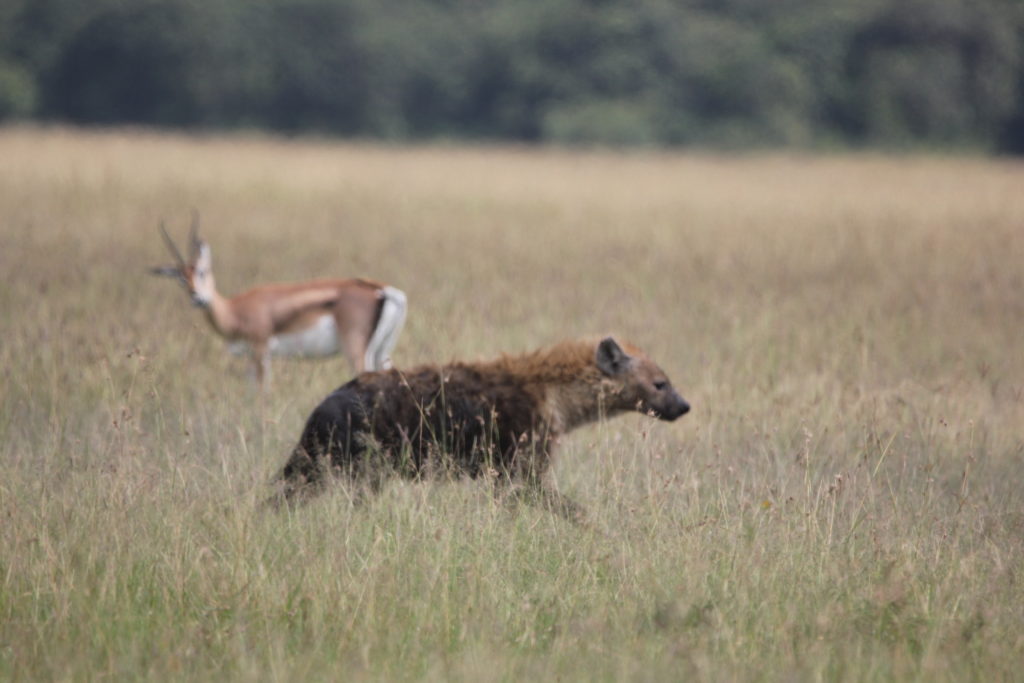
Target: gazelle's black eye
660,385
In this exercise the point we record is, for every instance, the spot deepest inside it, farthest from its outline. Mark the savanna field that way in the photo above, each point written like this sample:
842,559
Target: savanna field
844,502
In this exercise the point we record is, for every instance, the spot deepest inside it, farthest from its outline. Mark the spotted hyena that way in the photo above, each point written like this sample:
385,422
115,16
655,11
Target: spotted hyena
500,417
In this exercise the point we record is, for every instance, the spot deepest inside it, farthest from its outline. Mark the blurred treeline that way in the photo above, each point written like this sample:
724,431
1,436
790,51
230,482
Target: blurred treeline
726,73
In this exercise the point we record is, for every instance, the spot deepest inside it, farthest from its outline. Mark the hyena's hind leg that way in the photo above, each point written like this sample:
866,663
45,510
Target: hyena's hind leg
305,476
326,447
302,478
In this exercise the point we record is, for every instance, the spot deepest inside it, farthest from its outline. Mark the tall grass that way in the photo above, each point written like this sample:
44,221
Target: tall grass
844,502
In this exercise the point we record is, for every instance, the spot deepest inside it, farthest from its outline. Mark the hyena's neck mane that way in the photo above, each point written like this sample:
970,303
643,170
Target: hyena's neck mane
563,379
563,363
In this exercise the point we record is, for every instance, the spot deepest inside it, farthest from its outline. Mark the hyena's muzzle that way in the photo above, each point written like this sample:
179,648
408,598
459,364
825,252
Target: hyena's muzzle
669,406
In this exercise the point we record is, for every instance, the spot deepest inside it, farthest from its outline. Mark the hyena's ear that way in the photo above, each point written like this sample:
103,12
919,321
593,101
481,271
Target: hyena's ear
611,359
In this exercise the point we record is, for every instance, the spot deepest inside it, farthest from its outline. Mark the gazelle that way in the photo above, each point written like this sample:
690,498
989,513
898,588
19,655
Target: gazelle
360,318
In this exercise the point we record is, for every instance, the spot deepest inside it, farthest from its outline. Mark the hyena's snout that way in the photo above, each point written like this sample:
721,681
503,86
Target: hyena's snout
667,405
675,406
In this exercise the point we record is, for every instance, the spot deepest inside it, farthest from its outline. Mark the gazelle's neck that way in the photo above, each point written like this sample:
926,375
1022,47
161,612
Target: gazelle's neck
220,314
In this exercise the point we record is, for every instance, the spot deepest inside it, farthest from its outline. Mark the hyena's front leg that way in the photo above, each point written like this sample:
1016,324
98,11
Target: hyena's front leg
555,501
529,486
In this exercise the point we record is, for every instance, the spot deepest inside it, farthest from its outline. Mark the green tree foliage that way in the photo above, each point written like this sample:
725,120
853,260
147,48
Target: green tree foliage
17,92
935,70
640,72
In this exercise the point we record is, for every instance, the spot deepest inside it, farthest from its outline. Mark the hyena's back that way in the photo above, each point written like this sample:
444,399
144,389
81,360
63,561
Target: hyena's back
473,418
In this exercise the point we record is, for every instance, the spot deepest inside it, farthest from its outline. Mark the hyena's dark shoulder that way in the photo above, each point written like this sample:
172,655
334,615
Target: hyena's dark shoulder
459,395
502,399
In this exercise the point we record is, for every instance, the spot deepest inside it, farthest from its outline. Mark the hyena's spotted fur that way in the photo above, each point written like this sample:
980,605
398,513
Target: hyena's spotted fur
501,417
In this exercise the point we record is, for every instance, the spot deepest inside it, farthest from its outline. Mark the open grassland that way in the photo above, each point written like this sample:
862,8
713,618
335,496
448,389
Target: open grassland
844,502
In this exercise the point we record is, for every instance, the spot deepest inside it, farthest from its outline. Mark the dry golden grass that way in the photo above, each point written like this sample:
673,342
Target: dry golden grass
844,502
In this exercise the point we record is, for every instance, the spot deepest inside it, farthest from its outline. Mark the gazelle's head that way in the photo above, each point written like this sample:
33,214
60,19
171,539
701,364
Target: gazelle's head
196,274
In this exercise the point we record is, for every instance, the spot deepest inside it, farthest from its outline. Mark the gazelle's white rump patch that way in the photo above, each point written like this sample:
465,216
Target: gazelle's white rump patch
319,339
392,317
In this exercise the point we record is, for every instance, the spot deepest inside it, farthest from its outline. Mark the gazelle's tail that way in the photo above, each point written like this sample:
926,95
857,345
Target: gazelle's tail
385,334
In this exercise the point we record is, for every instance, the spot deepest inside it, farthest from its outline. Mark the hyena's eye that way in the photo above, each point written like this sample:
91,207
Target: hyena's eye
660,385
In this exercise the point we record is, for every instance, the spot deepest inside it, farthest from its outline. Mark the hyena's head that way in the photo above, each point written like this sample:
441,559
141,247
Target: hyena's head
638,383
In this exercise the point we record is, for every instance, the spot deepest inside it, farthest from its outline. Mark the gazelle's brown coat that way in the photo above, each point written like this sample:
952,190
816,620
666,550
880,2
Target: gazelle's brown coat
503,415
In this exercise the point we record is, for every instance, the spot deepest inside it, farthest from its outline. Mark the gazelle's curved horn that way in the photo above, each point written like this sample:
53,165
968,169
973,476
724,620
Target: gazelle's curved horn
193,235
170,245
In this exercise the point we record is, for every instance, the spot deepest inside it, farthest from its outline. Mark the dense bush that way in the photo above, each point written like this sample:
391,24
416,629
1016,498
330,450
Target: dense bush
17,92
643,72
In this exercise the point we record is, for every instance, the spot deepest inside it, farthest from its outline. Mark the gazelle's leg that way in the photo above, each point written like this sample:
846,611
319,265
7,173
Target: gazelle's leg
353,343
261,364
355,315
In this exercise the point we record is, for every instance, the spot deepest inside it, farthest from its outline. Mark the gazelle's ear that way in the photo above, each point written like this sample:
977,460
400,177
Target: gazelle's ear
611,359
195,243
202,259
